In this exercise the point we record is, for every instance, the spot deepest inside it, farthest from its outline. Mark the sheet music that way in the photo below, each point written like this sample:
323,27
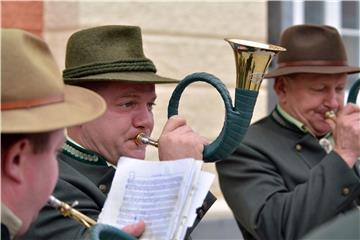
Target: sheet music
150,199
155,192
200,189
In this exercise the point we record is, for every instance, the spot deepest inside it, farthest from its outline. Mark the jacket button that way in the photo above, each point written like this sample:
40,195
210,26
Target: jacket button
200,212
298,147
205,206
103,188
345,191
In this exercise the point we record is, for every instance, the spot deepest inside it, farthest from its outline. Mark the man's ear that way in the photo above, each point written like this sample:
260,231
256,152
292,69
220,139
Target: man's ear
13,160
280,88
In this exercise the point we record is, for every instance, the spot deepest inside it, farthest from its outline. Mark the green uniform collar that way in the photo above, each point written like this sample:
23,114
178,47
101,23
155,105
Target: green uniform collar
287,117
327,141
78,152
291,119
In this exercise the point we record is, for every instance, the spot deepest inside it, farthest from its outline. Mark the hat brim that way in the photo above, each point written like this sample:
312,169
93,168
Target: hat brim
80,105
312,69
139,77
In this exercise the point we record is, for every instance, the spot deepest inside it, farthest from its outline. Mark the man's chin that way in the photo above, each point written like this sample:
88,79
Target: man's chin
137,154
322,131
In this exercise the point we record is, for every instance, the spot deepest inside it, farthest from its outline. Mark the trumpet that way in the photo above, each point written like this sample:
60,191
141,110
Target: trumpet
68,211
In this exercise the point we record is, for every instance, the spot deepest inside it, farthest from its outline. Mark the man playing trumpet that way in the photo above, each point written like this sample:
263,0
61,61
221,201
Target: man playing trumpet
280,183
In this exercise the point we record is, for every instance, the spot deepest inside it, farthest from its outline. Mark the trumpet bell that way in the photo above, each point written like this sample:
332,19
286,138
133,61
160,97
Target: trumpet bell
252,59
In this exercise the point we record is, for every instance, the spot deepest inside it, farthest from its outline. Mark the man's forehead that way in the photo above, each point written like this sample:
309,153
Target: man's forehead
122,89
131,85
314,78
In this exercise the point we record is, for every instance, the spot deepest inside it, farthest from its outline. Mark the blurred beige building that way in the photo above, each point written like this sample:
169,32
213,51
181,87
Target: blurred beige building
183,37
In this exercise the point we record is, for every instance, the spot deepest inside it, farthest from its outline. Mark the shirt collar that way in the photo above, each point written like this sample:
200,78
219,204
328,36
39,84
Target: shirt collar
327,142
291,119
11,221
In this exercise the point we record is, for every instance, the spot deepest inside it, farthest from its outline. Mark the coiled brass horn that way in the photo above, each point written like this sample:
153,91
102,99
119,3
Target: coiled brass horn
353,92
252,60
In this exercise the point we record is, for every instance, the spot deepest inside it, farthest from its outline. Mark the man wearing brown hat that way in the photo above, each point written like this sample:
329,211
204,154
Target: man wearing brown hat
281,183
110,61
34,102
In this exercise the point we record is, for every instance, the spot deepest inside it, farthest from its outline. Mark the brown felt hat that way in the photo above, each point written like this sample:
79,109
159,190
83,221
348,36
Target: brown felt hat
109,53
312,49
33,95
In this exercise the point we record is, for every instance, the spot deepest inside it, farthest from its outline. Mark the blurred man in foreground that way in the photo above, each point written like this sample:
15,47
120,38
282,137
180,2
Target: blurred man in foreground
35,108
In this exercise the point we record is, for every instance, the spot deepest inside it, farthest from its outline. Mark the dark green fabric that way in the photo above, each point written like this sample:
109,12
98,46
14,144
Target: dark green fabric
344,227
103,44
81,154
237,119
5,234
278,192
109,53
135,65
354,91
106,232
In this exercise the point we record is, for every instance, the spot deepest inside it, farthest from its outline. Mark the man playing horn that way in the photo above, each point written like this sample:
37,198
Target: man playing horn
110,61
281,183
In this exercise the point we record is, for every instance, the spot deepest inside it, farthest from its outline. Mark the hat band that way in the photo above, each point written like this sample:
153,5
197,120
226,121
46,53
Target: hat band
313,63
131,65
31,102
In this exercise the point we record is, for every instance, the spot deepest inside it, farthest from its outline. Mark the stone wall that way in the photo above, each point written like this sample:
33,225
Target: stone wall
180,38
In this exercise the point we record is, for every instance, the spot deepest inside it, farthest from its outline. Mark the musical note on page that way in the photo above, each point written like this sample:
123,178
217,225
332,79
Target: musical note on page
159,193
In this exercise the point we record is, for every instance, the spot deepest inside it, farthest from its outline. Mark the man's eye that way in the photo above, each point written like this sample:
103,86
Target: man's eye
318,89
340,89
127,105
151,105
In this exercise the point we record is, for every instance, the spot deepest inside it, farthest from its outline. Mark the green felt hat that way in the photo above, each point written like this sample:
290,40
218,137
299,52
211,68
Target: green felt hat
109,53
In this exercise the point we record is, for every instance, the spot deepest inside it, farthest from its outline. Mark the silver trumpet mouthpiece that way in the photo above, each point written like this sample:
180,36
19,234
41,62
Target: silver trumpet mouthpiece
141,138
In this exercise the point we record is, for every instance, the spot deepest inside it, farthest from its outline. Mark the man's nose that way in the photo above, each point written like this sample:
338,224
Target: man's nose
332,100
143,118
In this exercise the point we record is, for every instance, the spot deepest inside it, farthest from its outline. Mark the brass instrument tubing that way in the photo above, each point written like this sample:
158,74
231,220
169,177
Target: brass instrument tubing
69,211
330,115
141,138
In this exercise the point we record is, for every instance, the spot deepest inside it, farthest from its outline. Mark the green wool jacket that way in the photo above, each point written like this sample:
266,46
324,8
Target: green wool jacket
87,183
345,226
280,183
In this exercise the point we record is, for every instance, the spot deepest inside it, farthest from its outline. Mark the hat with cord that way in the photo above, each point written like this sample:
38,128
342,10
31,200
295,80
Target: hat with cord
109,53
312,49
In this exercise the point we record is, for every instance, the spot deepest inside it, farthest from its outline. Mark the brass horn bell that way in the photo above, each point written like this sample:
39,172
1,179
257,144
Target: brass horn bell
252,60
